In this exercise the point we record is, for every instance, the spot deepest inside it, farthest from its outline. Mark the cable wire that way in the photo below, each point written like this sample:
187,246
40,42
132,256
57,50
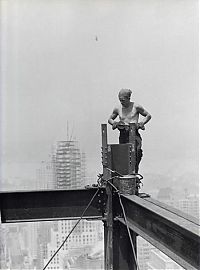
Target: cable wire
113,171
71,230
135,174
124,214
125,219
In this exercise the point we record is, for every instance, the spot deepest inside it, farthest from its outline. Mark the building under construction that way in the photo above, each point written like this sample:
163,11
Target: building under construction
69,165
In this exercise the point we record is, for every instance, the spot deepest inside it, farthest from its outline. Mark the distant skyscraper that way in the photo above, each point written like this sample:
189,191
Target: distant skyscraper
65,169
69,169
4,254
45,178
189,204
84,237
143,252
69,165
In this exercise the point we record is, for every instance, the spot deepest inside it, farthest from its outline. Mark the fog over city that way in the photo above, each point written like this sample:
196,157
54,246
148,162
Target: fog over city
65,61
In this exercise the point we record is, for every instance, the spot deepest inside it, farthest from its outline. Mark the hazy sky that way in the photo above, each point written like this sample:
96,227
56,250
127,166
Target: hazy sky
53,70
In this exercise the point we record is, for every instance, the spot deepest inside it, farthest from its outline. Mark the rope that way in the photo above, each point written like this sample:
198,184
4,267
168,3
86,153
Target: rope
71,230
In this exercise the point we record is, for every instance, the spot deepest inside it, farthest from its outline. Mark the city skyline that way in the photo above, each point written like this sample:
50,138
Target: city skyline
69,64
28,244
31,245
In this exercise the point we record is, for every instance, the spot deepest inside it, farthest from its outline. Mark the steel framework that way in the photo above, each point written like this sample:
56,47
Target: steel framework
169,230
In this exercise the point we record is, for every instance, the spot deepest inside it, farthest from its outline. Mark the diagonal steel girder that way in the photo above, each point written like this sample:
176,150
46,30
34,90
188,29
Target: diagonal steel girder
22,206
172,232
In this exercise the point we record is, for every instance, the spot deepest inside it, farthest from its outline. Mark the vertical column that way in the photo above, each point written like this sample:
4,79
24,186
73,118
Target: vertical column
117,249
106,172
108,222
123,254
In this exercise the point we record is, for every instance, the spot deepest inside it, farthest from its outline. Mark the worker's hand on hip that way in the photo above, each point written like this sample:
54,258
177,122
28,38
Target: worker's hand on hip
114,125
141,126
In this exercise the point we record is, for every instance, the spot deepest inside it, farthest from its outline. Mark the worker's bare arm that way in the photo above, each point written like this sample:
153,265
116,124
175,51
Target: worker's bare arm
113,117
144,113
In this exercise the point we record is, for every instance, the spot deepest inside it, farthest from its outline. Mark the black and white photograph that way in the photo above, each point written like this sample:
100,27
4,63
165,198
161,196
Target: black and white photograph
99,135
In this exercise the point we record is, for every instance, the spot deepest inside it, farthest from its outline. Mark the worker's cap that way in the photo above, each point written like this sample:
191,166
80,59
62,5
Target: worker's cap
125,92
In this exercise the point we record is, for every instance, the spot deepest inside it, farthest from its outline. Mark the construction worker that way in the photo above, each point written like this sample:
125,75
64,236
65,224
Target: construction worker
128,112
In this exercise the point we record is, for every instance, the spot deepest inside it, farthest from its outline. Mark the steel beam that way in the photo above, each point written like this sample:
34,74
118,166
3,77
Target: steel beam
108,222
116,158
118,250
122,250
24,206
121,158
173,210
176,236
